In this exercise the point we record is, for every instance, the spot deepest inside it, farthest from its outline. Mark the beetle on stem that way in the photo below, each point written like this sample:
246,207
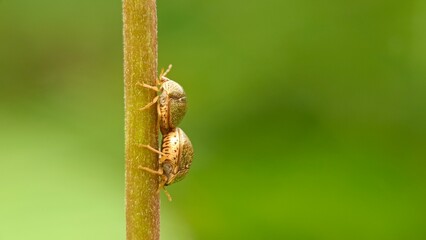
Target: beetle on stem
171,101
175,158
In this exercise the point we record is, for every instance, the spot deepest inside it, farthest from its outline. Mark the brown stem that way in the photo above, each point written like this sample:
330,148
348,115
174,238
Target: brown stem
140,66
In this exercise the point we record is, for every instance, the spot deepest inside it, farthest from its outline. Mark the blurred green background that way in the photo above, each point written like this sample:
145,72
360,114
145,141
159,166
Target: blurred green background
307,118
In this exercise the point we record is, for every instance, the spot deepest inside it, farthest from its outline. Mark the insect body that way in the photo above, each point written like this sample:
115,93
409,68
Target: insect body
175,158
171,106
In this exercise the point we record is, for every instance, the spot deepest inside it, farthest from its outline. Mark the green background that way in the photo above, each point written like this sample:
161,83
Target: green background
307,118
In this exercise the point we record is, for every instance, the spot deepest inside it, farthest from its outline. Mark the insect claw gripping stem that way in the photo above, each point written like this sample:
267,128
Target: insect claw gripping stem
155,88
151,148
161,78
150,170
149,104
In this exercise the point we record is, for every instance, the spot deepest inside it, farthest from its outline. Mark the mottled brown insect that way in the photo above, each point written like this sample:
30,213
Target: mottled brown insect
175,158
171,102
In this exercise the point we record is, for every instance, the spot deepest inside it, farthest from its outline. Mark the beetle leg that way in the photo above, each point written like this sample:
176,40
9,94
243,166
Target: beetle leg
162,183
161,186
150,104
158,172
152,149
168,194
155,88
158,116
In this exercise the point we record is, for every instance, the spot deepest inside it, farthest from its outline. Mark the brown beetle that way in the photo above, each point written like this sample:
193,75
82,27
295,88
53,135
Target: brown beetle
175,158
171,100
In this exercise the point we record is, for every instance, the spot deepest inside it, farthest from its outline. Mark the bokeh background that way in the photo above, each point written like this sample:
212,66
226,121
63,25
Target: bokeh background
307,117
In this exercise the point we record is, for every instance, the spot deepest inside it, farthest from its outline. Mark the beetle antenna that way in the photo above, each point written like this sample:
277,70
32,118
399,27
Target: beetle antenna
168,70
163,74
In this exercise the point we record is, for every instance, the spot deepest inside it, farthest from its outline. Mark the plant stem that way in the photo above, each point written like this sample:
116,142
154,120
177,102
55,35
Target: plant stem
140,65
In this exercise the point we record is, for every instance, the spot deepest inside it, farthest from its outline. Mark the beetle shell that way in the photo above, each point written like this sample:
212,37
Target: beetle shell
178,155
172,105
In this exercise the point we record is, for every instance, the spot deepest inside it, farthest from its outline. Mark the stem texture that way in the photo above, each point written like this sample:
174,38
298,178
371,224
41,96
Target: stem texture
140,65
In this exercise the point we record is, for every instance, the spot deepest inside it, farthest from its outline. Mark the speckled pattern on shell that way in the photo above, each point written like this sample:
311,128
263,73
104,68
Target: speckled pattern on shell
164,112
178,152
186,155
172,105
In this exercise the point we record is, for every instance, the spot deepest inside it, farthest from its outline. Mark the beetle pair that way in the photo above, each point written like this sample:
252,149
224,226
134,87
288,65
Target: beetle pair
176,152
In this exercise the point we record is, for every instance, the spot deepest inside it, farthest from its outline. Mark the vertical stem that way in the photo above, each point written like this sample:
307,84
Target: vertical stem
140,65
